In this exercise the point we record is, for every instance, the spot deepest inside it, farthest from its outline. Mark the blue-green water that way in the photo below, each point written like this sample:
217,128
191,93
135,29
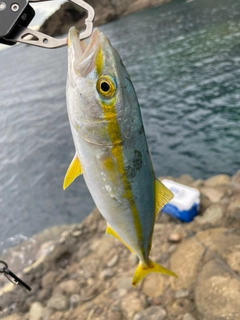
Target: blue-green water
184,60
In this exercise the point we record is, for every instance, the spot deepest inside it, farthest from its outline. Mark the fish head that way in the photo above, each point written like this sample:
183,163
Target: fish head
100,94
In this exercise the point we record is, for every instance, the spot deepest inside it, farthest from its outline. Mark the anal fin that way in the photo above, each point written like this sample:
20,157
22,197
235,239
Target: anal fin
74,170
113,233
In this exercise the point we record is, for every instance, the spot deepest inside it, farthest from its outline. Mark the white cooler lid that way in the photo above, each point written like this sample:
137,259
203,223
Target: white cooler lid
184,197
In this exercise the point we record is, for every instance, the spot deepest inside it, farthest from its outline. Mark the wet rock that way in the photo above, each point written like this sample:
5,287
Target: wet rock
58,302
217,293
212,216
188,316
36,311
151,313
132,303
221,179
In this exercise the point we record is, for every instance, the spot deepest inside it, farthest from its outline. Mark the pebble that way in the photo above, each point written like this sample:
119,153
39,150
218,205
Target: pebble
182,294
151,313
188,316
69,287
111,263
36,311
49,278
106,274
132,303
175,238
58,302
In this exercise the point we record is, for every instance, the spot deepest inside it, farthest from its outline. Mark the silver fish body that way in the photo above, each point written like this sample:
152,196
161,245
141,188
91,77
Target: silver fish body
111,146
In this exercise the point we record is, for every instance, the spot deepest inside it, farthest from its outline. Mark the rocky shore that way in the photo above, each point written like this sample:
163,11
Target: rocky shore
105,11
78,273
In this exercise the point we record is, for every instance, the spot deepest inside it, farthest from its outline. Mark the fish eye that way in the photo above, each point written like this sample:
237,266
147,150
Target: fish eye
106,86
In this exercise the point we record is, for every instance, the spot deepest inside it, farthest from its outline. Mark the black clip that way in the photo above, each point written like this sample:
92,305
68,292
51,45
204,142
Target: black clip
11,276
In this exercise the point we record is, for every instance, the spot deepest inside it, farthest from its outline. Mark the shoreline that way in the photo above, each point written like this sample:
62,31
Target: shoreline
76,272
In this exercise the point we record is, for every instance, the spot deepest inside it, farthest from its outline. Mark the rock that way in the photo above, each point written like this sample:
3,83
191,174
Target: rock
74,301
132,303
204,202
155,284
179,308
185,260
217,293
185,179
124,283
36,311
236,177
197,183
112,262
12,317
58,302
49,278
221,179
151,313
212,216
182,294
69,287
188,316
106,274
233,258
233,209
213,194
175,238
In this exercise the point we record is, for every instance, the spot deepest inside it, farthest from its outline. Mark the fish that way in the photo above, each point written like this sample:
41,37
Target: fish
111,148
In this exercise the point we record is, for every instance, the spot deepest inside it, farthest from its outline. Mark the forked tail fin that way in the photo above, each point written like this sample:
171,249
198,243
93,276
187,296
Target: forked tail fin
143,270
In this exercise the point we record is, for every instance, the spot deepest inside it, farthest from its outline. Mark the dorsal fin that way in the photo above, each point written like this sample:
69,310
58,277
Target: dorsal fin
74,170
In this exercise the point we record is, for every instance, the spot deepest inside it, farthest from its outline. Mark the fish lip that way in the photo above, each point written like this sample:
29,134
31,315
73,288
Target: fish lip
83,57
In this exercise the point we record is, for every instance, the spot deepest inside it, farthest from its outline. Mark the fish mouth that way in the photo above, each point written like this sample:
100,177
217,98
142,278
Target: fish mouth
81,55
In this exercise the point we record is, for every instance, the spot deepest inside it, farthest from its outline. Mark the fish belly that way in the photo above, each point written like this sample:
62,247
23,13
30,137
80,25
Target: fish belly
120,179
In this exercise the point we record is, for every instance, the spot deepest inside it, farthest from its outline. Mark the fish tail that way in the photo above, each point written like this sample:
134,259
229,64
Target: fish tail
142,270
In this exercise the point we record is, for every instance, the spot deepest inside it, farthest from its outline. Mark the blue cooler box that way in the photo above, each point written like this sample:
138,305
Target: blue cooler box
186,201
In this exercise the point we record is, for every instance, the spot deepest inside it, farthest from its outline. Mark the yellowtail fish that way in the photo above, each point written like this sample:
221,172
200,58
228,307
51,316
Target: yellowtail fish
111,148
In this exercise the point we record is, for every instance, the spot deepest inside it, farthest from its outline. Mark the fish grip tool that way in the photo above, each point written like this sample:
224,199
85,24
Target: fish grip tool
16,15
11,276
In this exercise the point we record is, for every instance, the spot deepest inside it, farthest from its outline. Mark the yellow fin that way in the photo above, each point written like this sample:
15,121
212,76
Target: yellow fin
74,170
143,270
162,196
110,231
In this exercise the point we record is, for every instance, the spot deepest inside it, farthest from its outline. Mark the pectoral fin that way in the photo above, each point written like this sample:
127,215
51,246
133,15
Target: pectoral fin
162,196
110,231
74,170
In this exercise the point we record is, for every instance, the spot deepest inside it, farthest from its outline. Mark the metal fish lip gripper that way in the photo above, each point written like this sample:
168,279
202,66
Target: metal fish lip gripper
16,15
